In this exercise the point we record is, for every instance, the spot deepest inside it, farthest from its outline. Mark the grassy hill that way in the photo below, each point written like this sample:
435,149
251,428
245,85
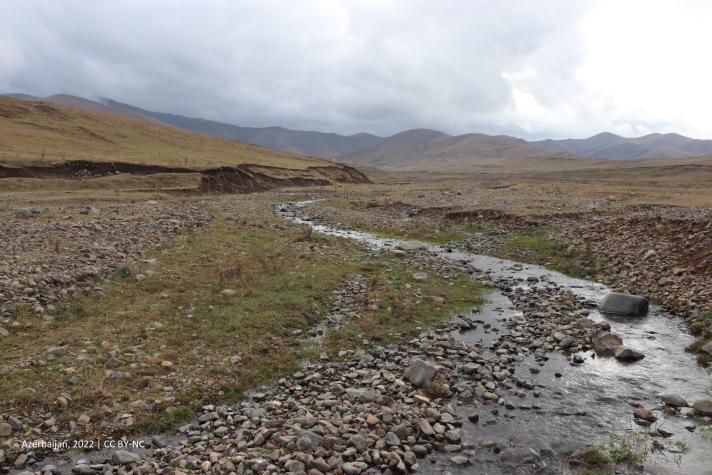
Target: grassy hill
43,133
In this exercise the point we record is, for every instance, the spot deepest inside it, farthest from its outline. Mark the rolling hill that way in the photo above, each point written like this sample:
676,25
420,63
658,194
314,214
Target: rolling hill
445,153
42,136
614,147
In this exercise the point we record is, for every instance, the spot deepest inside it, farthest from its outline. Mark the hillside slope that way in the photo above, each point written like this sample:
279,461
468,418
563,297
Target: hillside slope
315,144
614,147
69,139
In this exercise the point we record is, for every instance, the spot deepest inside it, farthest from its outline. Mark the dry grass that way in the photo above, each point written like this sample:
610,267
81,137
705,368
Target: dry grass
42,133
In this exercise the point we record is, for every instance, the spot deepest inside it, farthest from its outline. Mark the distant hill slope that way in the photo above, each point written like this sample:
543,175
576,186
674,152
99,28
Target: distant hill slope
34,133
614,147
315,144
447,153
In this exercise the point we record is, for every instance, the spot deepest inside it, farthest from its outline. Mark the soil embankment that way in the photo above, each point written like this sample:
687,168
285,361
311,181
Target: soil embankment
235,179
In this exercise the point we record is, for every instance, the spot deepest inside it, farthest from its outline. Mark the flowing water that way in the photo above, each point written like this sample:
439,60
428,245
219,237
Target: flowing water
572,405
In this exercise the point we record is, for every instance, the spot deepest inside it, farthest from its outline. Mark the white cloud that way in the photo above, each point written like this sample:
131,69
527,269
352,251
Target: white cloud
546,68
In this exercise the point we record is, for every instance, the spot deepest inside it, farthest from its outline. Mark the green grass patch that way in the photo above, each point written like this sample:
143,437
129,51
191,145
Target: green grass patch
167,421
434,235
536,247
706,433
707,321
400,308
594,458
630,449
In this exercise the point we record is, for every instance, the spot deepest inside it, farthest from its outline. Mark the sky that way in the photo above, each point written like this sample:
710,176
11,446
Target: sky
528,68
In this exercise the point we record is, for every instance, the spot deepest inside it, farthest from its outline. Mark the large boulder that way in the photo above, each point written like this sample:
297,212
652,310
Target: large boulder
624,304
605,344
420,373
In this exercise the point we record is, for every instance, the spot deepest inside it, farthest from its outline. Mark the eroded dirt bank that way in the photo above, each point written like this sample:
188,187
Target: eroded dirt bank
238,179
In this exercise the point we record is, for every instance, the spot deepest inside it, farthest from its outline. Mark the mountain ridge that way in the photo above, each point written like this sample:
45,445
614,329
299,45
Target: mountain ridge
370,149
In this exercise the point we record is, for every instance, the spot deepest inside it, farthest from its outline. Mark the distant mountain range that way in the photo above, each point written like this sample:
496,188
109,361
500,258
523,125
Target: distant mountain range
614,147
411,149
420,149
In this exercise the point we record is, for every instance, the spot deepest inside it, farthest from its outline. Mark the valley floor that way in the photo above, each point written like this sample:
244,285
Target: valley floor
134,314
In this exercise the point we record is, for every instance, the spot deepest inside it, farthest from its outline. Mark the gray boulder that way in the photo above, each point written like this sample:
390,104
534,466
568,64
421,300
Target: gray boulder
674,400
703,407
624,304
420,373
623,353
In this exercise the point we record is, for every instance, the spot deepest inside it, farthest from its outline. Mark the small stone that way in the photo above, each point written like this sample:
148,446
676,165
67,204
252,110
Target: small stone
644,414
624,353
425,427
674,400
460,460
5,429
392,439
123,457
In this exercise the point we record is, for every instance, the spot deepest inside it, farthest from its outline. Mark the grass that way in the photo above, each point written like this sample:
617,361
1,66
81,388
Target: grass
704,332
630,450
706,433
339,203
595,460
399,307
160,348
180,316
415,231
167,421
534,246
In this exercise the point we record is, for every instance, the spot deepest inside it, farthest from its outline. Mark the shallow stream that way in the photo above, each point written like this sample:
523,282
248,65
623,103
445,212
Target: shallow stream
575,405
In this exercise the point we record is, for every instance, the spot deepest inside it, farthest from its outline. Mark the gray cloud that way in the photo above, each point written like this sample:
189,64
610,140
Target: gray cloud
360,65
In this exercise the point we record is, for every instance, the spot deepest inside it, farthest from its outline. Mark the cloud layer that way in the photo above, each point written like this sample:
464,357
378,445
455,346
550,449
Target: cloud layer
551,68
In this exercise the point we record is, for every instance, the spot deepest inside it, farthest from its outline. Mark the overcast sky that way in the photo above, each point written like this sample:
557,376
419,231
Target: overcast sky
529,68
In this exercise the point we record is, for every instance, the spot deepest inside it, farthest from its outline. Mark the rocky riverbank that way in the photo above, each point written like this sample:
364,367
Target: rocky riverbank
51,254
662,252
519,387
